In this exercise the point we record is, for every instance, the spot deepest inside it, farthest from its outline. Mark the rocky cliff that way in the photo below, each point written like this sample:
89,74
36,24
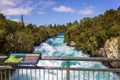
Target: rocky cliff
112,50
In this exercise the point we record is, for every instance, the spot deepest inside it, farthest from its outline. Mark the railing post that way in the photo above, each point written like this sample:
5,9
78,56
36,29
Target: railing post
68,70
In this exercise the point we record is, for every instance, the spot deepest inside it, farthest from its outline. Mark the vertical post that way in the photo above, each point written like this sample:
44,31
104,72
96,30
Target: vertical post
5,74
68,70
22,21
1,74
9,74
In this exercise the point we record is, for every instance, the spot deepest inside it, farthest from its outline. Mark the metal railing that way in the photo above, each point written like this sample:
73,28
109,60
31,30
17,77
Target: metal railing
8,72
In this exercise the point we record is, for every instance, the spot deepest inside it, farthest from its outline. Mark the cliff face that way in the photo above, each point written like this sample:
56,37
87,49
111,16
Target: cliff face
112,50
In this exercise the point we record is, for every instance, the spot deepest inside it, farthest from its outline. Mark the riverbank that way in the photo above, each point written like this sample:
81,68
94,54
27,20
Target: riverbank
98,36
110,51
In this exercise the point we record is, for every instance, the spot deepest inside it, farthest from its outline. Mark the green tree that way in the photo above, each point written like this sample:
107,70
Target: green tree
91,33
2,16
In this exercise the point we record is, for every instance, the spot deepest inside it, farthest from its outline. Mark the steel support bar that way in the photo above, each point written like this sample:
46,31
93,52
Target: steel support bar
76,58
68,70
81,58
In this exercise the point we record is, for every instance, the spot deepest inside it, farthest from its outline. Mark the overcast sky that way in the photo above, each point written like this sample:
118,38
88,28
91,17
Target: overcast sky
44,12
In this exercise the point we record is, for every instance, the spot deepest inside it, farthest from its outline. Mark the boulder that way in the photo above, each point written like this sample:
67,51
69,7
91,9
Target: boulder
72,43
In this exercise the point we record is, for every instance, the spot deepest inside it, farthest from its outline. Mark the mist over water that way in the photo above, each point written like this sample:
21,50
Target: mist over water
56,47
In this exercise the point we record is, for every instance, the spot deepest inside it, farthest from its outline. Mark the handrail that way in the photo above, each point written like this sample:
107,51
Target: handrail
81,58
5,67
71,68
2,57
76,58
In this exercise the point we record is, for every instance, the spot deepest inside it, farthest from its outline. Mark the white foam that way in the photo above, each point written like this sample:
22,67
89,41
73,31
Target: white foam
45,49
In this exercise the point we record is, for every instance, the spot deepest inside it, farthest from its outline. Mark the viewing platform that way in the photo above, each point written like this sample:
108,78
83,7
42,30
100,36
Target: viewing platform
34,72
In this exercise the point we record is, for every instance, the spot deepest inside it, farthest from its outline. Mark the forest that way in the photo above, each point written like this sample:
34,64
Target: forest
90,34
16,37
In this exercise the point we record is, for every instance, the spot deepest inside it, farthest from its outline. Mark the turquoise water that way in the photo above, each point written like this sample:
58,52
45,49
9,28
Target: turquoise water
55,47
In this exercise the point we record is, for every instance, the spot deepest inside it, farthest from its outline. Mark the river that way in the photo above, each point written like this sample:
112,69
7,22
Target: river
56,47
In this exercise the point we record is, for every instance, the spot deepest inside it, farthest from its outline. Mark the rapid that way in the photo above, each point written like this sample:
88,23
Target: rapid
55,46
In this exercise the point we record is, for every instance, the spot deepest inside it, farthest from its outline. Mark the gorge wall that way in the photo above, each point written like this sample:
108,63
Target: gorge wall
111,50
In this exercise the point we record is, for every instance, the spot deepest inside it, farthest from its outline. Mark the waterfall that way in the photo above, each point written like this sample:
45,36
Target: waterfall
56,47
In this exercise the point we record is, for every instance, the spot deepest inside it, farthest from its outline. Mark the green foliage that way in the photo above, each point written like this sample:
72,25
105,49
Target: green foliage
2,16
90,34
16,38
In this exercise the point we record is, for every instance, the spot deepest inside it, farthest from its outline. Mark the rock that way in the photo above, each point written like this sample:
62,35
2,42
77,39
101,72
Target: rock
111,49
102,52
115,64
72,43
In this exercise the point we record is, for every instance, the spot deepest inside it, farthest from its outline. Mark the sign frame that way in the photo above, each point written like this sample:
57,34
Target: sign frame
22,58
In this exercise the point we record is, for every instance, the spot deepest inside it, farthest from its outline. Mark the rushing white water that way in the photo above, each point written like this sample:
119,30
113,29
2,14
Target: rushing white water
55,47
